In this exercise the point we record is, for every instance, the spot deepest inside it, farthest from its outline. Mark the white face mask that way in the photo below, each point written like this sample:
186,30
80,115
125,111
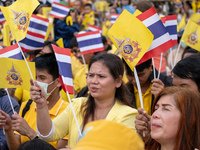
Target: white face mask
45,87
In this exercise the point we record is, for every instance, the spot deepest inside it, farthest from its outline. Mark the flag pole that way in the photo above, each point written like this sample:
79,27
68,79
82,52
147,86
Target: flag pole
80,134
160,65
177,54
84,63
172,64
26,62
154,71
10,100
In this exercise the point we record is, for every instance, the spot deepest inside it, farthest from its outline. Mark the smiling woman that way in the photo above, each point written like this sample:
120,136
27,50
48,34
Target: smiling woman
175,122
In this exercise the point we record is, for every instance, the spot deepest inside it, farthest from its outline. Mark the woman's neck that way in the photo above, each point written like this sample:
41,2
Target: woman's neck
167,146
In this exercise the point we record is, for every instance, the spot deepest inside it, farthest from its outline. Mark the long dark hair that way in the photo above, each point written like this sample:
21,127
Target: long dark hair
116,68
188,103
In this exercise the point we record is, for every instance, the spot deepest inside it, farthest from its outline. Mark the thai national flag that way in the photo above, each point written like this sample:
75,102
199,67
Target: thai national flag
162,40
94,28
2,19
59,10
36,33
63,58
113,18
89,42
170,23
12,51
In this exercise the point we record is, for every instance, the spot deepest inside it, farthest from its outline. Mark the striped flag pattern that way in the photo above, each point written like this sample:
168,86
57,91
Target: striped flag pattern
63,58
12,51
170,23
59,10
36,33
94,28
89,42
113,18
2,18
162,40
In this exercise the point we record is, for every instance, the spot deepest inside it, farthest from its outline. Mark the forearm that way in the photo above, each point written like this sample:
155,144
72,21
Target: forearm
44,122
12,142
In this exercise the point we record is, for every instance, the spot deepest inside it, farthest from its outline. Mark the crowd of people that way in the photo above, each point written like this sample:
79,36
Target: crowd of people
106,112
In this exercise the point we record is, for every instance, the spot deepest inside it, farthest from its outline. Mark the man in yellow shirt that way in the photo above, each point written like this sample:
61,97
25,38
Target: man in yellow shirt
46,76
146,79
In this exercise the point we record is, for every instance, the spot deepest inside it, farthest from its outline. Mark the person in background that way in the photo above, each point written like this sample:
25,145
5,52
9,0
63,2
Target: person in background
107,100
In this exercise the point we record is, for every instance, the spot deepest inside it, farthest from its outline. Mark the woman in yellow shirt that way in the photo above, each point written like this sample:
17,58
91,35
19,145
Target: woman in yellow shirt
107,100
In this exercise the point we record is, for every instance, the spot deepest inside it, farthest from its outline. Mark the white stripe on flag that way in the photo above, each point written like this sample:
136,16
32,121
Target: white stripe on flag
67,80
37,31
63,58
10,53
57,14
88,37
87,48
174,36
28,47
39,21
37,39
159,41
171,22
151,20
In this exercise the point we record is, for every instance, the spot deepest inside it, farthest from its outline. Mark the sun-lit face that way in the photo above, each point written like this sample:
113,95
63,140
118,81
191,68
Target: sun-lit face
165,120
100,82
188,83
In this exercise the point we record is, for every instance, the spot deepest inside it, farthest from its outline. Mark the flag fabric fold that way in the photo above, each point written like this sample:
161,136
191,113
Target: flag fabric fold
12,51
133,41
15,74
89,42
59,10
18,16
94,28
162,40
36,33
63,58
191,35
170,23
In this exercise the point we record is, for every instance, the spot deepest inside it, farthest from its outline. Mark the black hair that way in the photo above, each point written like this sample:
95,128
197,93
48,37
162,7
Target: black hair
73,43
139,67
144,5
49,63
36,144
48,43
189,68
189,50
88,4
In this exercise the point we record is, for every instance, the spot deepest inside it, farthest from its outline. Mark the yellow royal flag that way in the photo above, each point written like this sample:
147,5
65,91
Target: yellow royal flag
15,74
6,34
18,16
195,18
133,41
191,35
60,42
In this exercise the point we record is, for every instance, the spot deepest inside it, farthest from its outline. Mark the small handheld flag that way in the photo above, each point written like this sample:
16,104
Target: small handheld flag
59,10
12,51
89,42
113,18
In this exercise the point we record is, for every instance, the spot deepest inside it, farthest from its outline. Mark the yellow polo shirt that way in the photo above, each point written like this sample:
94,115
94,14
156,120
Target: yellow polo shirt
147,98
31,116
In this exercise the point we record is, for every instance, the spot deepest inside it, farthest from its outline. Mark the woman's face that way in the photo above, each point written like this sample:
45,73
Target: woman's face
165,120
100,82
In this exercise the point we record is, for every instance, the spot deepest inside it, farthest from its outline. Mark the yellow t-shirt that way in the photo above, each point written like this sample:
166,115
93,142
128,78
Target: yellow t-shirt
31,116
66,124
76,65
147,98
80,79
89,20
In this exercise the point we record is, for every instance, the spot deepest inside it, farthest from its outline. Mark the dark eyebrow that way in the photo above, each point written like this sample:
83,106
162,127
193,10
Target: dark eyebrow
164,105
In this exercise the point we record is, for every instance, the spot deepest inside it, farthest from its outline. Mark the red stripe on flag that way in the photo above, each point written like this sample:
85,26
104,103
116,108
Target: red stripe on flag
40,18
93,50
35,34
60,50
171,17
61,5
87,33
150,12
7,49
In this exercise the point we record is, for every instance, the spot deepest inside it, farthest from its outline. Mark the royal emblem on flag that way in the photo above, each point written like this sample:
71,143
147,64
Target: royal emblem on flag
14,77
193,38
128,48
21,19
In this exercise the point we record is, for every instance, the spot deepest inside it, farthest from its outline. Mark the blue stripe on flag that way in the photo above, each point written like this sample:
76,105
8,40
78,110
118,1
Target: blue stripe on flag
16,56
172,30
66,69
32,42
157,29
61,11
38,26
90,42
